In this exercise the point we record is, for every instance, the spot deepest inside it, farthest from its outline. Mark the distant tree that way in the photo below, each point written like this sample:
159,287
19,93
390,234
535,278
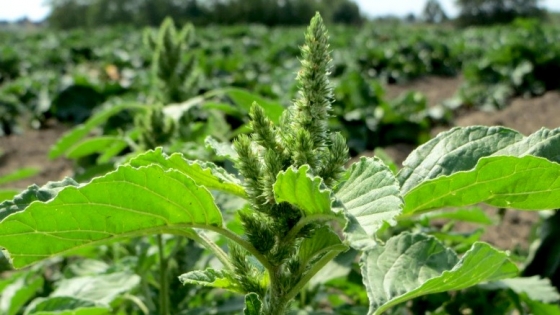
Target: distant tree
95,13
347,12
486,12
66,14
433,12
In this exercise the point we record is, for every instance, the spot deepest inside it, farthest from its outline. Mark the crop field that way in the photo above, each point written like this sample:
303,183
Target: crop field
390,168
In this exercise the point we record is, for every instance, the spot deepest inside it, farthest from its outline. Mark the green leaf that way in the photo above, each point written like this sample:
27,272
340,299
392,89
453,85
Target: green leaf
221,279
111,151
527,183
102,289
458,149
19,174
65,305
471,215
34,193
253,304
543,143
123,203
94,145
535,288
303,190
539,308
461,148
412,265
17,294
223,149
369,197
7,194
322,241
203,173
69,139
245,100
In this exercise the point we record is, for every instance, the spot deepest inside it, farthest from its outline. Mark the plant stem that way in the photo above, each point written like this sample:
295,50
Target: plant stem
305,279
163,281
243,243
220,254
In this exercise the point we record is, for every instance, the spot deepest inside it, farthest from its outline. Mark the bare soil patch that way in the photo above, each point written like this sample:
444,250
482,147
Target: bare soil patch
30,150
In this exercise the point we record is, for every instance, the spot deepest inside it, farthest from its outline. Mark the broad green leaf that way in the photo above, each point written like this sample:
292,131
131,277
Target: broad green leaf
471,215
101,289
33,193
537,289
94,145
303,190
19,174
18,293
322,241
369,197
245,100
203,173
123,203
412,265
253,305
527,183
456,150
221,279
65,305
74,136
543,143
461,148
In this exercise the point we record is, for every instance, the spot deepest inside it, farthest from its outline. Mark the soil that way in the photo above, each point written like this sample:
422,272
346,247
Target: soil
524,115
30,150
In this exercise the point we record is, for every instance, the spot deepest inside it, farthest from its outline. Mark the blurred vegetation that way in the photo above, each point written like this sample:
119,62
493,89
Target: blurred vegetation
68,14
488,12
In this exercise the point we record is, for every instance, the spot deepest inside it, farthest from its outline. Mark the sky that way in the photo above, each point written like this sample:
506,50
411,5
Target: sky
36,10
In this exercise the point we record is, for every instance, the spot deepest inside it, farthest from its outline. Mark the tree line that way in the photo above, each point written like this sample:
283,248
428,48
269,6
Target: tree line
67,14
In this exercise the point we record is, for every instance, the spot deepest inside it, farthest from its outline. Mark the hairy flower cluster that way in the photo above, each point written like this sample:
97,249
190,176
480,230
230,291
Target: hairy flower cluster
301,138
172,63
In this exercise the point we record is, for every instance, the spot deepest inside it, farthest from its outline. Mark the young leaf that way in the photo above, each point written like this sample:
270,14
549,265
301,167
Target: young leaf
253,305
527,183
471,215
94,145
539,308
126,202
19,174
69,139
304,191
244,99
535,288
369,196
65,305
18,293
203,173
221,279
323,240
412,265
101,289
